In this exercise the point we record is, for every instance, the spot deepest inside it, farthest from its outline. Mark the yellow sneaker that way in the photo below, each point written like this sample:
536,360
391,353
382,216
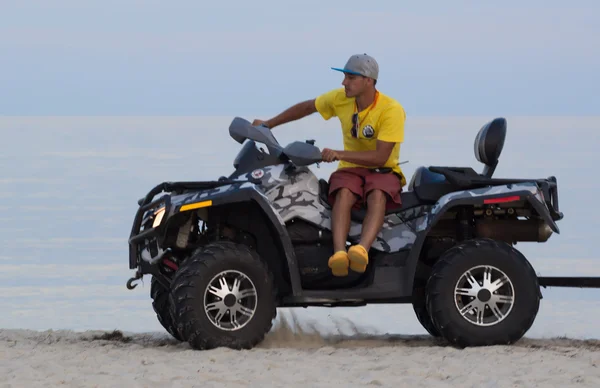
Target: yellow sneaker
339,263
359,258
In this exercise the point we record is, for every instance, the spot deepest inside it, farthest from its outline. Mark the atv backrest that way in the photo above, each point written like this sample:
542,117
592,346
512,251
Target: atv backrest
489,143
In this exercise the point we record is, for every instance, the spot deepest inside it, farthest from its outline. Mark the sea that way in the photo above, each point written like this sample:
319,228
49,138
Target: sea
69,188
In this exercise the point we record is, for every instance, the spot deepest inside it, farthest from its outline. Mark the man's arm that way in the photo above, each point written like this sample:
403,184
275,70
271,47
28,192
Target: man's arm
294,112
376,158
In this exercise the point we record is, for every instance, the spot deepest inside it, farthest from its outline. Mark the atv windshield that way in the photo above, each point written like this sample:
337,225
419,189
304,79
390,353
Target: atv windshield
241,130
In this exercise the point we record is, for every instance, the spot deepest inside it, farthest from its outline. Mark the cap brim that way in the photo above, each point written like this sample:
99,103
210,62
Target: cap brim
345,71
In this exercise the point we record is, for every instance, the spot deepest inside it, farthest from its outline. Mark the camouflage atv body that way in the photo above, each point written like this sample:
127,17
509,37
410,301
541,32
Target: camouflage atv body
229,252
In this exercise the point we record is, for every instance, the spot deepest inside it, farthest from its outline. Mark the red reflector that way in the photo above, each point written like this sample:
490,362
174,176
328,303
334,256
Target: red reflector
170,264
502,199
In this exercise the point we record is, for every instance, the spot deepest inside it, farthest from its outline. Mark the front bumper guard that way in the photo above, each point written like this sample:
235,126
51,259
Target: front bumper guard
137,237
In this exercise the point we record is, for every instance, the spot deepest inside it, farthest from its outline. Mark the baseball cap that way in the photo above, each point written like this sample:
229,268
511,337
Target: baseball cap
361,64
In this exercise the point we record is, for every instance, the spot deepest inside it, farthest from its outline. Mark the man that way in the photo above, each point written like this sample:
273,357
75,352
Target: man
368,173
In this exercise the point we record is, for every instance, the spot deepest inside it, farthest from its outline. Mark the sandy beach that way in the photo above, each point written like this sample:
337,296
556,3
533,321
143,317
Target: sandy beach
289,357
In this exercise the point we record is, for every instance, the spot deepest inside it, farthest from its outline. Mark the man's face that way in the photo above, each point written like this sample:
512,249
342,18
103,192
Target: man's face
354,84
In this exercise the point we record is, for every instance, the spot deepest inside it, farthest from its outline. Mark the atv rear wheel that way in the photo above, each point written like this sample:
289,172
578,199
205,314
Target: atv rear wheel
160,304
223,296
483,292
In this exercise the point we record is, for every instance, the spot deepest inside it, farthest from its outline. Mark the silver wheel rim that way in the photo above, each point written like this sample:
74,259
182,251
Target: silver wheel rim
230,300
484,295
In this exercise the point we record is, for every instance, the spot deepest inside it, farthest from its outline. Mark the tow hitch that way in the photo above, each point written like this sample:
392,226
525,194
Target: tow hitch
570,282
130,285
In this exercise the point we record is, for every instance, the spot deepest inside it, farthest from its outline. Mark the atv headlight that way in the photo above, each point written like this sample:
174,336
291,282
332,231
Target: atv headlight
158,216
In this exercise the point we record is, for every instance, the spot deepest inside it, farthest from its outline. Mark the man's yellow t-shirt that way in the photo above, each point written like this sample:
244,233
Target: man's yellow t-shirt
382,120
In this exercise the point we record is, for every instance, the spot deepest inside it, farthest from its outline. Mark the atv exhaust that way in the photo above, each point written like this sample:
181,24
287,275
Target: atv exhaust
513,230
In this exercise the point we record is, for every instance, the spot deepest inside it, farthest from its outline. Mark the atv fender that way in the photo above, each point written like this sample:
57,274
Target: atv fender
528,191
505,193
239,193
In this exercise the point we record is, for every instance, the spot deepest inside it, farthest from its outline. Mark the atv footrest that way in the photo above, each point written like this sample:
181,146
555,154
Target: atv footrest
332,299
386,287
566,281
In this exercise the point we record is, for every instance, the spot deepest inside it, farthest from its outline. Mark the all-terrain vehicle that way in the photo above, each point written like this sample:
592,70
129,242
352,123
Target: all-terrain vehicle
225,254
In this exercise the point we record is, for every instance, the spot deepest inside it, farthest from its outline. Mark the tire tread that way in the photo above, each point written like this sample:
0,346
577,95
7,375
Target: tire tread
434,292
183,301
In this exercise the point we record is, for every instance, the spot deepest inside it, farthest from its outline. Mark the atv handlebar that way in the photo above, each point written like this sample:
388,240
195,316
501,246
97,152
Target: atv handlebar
299,153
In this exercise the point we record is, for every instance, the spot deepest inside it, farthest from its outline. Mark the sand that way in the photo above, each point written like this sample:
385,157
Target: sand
289,357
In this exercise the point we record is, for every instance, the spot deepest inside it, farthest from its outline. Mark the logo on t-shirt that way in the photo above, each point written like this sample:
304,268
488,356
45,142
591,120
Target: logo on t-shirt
368,131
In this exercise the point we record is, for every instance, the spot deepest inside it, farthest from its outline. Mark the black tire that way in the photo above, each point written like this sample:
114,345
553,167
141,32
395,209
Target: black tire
424,319
160,304
420,307
189,290
444,310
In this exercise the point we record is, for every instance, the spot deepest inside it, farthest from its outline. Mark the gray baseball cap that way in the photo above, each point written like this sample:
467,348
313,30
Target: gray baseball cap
361,64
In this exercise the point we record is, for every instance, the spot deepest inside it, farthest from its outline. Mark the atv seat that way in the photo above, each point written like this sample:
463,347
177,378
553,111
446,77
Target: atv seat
431,183
429,186
409,199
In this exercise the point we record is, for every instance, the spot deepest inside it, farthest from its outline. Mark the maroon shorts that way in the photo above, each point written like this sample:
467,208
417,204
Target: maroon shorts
361,181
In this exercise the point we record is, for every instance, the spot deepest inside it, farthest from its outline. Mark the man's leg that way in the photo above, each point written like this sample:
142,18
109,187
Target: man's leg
344,192
359,254
380,189
376,202
340,218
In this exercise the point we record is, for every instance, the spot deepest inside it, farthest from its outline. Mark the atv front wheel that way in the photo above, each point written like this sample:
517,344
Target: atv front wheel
420,307
425,319
483,292
223,296
160,304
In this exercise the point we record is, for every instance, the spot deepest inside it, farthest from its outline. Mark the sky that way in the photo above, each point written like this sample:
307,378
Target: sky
189,57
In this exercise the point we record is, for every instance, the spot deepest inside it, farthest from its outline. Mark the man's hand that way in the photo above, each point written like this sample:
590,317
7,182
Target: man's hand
329,155
258,122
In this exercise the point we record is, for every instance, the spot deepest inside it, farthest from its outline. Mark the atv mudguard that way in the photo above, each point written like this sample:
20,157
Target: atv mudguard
520,191
528,191
234,192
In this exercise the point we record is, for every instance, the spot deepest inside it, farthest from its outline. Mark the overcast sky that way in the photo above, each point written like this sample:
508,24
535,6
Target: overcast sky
134,57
